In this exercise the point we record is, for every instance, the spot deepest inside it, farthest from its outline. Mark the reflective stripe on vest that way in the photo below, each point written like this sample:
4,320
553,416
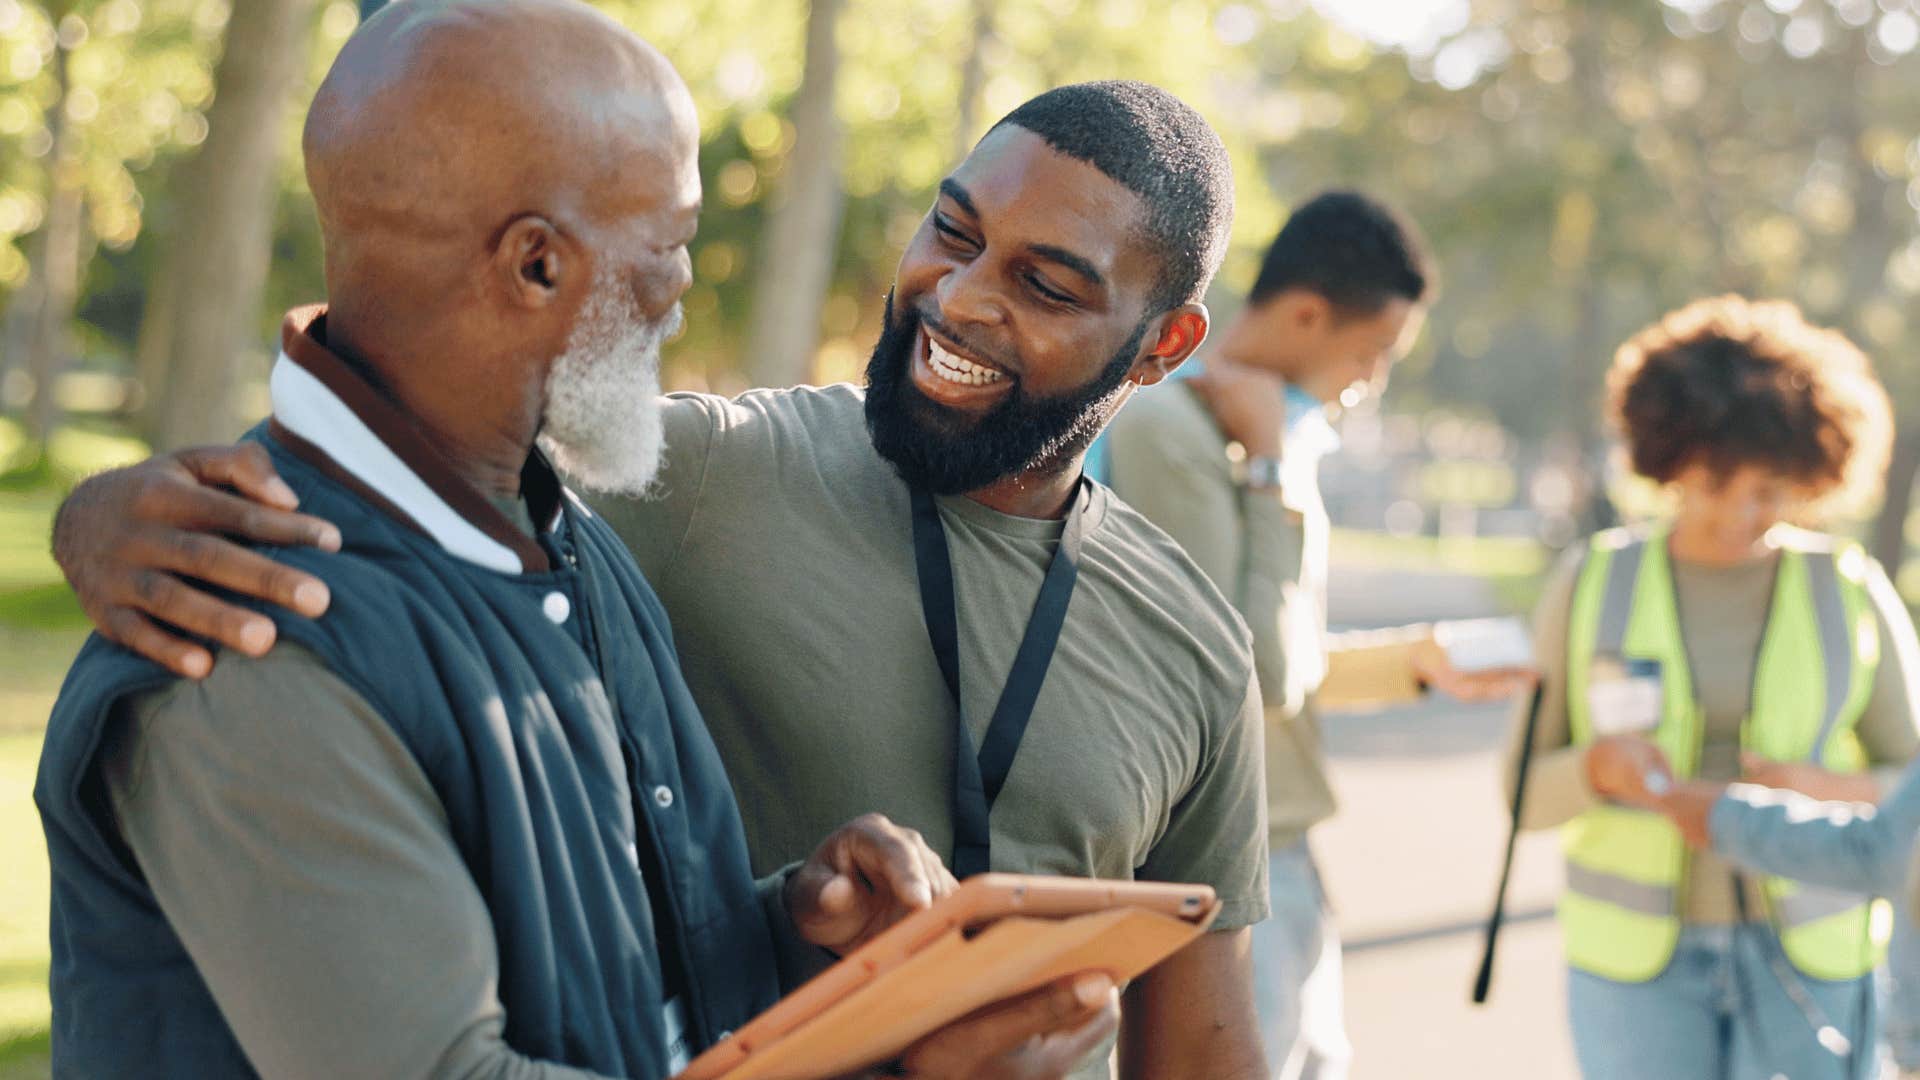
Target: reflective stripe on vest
1625,868
1810,904
1637,896
1830,616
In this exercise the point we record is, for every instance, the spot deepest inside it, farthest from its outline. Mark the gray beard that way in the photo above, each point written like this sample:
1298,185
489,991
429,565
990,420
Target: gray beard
601,425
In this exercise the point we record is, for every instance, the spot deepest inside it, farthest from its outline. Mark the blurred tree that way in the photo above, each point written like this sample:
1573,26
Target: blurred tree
1583,166
92,93
973,78
796,255
1579,165
46,308
196,332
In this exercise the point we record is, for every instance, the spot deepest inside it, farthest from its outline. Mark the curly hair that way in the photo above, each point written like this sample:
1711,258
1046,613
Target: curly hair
1730,382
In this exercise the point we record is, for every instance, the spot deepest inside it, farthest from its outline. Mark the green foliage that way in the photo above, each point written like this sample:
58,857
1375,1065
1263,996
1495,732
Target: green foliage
1583,166
903,119
142,77
32,596
1579,166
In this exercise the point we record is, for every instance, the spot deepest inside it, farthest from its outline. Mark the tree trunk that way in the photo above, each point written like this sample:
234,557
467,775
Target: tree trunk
219,252
1890,529
973,78
803,230
1591,355
56,262
151,347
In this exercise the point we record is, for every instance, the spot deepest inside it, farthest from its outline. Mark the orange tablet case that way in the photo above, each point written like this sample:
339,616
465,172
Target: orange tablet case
933,968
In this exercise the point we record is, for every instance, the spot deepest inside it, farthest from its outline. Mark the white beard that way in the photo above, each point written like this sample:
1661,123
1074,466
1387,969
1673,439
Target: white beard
601,424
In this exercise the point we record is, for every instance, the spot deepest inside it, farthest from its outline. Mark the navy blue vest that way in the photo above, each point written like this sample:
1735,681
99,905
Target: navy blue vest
558,751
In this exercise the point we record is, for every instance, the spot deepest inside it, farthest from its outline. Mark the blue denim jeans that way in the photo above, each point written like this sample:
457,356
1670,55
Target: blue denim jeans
1721,1012
1296,974
1900,991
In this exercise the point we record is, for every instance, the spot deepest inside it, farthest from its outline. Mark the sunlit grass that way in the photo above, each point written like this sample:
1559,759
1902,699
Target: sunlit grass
24,1009
1480,556
77,450
40,623
26,520
26,1058
40,629
1513,567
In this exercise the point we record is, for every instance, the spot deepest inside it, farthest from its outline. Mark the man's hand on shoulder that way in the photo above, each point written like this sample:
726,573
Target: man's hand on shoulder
866,876
135,543
1250,405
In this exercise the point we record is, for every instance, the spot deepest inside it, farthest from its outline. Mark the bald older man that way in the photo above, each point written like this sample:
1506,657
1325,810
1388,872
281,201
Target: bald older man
470,823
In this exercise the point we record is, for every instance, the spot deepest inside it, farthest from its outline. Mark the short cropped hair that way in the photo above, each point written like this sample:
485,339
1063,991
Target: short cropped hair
1355,251
1159,148
1731,382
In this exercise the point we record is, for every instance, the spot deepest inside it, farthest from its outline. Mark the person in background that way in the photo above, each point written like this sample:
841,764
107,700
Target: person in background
1722,643
907,599
1227,461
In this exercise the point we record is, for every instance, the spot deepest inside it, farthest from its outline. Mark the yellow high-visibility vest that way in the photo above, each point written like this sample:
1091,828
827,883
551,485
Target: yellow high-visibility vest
1625,868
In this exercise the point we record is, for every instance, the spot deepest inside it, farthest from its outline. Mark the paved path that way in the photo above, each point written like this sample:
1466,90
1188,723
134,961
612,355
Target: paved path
1411,862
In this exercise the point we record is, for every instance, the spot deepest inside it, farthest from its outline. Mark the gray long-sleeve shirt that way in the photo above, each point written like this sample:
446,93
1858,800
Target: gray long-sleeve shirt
307,866
306,863
1854,847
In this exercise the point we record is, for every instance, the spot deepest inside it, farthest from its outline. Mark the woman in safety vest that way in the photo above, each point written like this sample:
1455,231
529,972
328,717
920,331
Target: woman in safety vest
1722,644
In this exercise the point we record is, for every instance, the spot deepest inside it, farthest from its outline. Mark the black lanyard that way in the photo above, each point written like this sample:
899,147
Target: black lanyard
977,779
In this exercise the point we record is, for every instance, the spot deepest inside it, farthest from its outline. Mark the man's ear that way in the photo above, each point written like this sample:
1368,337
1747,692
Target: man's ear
1181,332
533,262
1309,311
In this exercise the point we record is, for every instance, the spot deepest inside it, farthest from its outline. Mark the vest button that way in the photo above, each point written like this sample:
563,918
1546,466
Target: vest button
663,796
723,1036
557,607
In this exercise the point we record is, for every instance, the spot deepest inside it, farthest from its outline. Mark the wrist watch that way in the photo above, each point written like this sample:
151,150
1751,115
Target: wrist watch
1261,473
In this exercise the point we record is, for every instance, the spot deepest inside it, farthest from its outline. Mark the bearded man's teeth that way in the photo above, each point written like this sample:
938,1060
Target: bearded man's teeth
955,369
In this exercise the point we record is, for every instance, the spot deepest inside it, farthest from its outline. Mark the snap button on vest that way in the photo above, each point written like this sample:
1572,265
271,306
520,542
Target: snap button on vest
663,796
557,607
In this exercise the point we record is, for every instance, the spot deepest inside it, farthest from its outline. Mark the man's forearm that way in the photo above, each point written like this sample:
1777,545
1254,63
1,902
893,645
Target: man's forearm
1837,845
1371,668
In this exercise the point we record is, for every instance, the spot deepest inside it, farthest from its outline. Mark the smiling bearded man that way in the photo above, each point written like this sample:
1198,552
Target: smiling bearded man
1019,435
929,613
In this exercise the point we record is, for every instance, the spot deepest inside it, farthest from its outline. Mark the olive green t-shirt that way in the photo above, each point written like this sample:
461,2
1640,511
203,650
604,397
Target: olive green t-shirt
781,544
1723,614
1267,550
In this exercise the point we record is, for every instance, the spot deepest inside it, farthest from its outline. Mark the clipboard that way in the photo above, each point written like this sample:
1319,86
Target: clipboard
997,936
